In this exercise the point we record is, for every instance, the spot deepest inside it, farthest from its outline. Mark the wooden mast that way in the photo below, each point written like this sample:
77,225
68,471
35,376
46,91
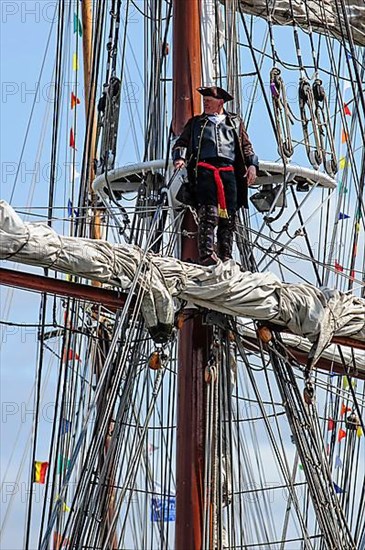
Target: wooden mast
90,113
194,337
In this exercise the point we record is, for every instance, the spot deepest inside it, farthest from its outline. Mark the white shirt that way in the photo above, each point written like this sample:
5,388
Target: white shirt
217,119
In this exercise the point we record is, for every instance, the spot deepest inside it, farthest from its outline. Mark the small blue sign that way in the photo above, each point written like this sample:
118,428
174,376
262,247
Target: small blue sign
163,509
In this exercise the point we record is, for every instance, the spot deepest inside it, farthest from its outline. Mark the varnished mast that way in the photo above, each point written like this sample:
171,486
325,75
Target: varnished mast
194,337
90,113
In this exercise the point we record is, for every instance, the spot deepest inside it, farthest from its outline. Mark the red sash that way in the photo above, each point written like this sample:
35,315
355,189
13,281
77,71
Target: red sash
222,207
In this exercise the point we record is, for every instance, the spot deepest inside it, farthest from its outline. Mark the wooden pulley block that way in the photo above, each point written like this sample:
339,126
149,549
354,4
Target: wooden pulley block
308,394
265,334
154,361
180,321
209,374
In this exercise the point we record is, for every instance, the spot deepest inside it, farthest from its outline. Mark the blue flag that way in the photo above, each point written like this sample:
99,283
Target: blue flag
163,509
342,216
338,462
65,426
69,208
338,489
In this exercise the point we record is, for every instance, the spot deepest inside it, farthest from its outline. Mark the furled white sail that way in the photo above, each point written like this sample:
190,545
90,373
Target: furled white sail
322,15
305,310
345,355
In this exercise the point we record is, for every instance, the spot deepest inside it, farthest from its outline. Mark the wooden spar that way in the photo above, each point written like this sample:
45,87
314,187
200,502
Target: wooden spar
95,229
332,366
87,28
194,338
29,281
109,298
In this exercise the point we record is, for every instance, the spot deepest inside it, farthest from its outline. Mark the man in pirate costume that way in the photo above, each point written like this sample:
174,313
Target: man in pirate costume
221,164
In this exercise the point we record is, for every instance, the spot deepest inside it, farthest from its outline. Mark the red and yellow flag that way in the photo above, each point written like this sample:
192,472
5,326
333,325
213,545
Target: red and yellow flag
40,471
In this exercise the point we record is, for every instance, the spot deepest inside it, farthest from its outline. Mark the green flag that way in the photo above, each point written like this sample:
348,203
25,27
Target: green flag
62,464
77,25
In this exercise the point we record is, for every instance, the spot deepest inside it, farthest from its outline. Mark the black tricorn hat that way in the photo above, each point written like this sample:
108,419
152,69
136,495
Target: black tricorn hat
216,92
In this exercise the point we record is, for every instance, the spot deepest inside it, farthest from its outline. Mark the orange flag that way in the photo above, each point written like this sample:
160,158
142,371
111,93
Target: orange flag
74,100
73,355
70,355
344,136
344,409
341,434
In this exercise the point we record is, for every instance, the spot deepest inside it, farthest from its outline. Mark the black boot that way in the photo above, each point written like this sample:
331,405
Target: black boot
208,220
226,229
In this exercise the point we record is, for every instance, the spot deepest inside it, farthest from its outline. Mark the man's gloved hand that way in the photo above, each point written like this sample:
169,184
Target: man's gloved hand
179,163
251,175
